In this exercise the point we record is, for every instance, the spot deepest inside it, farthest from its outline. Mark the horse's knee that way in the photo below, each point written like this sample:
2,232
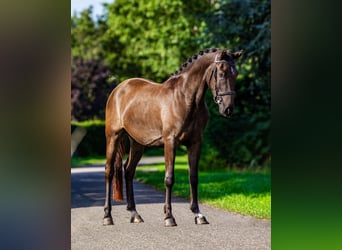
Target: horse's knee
169,180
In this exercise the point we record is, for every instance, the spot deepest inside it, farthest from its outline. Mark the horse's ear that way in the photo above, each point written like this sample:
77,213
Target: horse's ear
237,54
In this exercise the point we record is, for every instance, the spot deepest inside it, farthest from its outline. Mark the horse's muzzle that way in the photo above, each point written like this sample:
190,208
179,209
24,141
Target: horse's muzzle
229,111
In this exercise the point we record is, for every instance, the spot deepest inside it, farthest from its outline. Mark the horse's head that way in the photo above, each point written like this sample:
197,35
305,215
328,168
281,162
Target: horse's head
222,80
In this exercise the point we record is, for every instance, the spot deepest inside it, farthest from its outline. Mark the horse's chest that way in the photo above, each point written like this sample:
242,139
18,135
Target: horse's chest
193,128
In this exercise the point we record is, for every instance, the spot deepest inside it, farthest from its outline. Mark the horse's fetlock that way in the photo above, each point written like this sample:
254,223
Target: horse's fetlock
194,209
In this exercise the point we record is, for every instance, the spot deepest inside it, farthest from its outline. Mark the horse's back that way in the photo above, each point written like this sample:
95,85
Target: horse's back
133,91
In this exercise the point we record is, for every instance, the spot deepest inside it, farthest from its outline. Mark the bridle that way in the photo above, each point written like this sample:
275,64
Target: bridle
218,95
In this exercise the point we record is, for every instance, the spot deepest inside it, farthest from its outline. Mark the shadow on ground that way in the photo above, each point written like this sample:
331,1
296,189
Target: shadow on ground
88,190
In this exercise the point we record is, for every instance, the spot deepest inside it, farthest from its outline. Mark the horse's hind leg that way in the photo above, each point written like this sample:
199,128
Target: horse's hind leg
109,173
135,153
112,142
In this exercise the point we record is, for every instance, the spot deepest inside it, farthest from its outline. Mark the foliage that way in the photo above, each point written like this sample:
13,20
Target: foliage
244,192
91,85
245,138
85,35
151,39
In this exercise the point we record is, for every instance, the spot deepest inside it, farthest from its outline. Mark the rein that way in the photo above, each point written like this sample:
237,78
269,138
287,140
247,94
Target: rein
218,95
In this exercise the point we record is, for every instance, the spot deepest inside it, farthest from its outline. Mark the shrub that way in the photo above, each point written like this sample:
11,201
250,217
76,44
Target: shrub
91,84
94,142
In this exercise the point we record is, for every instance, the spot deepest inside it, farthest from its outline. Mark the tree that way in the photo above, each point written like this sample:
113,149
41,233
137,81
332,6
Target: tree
150,38
85,35
91,84
245,139
91,80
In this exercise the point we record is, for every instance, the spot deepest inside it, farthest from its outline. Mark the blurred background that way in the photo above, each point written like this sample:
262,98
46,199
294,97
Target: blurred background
115,40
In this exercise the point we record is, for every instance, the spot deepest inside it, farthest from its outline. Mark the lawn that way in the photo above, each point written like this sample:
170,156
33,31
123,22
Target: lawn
245,192
85,161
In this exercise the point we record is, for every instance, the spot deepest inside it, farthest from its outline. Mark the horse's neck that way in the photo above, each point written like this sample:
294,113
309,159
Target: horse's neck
194,85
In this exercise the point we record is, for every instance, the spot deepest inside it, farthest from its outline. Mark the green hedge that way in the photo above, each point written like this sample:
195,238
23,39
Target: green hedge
240,143
94,142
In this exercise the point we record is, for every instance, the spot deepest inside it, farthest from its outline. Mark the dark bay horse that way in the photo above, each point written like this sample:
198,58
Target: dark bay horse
169,114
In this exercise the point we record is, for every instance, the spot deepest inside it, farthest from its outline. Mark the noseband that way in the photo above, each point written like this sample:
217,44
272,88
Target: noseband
218,95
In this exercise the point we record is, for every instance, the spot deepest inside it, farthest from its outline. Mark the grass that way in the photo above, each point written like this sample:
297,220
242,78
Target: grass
244,192
88,123
85,161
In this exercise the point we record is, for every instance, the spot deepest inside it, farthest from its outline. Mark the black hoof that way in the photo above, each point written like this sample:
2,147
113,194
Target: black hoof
170,222
136,219
108,221
201,220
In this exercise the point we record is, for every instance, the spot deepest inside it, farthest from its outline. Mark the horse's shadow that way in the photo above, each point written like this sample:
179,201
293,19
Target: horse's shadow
88,189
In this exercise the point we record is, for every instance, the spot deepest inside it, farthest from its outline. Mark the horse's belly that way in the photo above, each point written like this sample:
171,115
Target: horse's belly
149,140
144,134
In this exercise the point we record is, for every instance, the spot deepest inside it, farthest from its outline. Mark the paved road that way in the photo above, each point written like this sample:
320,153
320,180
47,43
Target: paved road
225,231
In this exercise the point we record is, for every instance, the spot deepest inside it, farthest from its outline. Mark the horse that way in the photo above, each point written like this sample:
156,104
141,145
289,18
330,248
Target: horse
169,114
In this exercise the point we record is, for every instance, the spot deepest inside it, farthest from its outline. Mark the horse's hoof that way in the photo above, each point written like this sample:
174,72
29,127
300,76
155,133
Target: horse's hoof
136,219
170,222
201,220
108,221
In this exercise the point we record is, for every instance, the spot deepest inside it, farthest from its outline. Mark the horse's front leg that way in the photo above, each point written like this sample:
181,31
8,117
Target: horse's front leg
194,151
169,151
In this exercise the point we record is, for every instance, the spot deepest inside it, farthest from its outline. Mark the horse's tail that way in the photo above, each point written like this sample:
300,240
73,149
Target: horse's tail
118,170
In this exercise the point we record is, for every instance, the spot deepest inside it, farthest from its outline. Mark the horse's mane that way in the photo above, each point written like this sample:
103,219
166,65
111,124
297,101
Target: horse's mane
192,59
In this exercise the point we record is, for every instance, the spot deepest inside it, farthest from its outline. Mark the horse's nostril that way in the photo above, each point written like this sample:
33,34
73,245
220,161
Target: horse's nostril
229,111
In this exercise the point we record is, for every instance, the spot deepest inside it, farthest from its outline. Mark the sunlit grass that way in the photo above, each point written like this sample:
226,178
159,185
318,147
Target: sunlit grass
86,161
244,192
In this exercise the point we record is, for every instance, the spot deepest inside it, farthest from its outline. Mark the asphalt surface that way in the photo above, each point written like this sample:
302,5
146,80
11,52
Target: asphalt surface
225,231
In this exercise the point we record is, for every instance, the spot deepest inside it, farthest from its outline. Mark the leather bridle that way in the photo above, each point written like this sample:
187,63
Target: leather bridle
218,95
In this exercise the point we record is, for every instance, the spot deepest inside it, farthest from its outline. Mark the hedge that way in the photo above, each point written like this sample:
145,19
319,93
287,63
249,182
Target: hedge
235,146
94,142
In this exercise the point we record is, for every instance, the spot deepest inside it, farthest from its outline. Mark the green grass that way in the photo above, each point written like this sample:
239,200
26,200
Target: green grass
88,123
85,161
244,192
